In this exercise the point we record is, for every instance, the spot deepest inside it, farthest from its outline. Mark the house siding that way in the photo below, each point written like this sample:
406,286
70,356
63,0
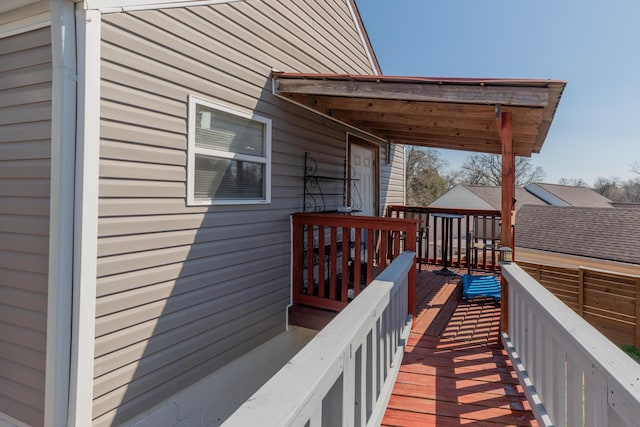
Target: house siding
15,16
182,291
392,177
25,165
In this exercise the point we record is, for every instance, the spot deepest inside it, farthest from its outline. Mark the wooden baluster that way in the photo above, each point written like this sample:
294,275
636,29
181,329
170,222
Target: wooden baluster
310,260
396,242
322,262
384,242
333,270
370,254
346,249
459,240
356,261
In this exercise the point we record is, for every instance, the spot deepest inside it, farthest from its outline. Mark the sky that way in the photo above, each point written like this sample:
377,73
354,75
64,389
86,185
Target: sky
593,45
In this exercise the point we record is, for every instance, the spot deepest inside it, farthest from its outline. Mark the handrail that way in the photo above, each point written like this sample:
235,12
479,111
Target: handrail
343,376
335,256
579,376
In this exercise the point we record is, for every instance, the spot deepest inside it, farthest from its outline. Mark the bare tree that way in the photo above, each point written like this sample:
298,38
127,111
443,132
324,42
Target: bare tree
425,181
486,169
635,168
610,188
573,182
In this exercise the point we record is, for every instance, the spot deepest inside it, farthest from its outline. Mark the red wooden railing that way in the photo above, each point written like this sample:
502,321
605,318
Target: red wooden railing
431,231
336,256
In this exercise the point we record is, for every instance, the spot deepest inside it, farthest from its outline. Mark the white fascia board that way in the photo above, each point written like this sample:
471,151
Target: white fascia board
111,6
88,25
60,274
363,37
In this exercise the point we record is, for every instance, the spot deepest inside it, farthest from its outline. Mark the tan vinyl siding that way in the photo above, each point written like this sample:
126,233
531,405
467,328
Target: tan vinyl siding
392,177
14,15
182,291
25,150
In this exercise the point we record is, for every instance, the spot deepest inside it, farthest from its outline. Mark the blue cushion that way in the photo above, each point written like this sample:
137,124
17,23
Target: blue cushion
480,286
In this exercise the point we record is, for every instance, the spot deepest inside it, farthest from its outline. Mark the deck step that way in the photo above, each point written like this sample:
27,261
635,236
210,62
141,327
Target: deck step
436,311
310,317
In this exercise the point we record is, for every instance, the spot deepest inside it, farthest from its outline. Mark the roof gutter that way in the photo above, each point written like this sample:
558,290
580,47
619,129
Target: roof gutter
61,208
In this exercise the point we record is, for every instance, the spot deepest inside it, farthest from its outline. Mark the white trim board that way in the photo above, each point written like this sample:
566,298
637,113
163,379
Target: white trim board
88,25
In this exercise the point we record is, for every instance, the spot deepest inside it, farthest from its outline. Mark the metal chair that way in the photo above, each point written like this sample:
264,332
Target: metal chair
421,232
483,237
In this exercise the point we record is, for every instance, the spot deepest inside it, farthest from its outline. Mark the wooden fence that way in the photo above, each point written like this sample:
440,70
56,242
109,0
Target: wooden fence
608,301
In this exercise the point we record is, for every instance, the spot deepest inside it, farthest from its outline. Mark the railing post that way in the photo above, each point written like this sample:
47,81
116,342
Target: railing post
410,245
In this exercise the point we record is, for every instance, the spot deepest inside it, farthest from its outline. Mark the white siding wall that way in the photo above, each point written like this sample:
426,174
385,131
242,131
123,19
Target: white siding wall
182,290
25,149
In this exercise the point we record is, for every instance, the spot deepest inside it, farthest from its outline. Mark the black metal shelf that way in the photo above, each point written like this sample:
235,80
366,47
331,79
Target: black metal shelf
314,196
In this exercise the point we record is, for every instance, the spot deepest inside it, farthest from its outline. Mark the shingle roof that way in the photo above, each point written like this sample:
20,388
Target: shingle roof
602,233
577,196
493,196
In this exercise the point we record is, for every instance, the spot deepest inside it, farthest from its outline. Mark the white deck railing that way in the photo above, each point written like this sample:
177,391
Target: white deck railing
345,375
573,374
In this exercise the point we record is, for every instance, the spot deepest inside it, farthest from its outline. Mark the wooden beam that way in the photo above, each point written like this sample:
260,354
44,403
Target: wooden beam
436,110
421,91
446,124
436,143
504,122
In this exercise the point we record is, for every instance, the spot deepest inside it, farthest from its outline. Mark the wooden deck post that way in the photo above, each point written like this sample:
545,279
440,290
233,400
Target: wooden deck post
504,123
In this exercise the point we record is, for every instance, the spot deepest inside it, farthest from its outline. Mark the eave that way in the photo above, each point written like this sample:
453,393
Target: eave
451,113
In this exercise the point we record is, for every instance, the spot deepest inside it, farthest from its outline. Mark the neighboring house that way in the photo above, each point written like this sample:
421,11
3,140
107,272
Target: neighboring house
564,195
488,197
481,197
138,254
537,195
611,235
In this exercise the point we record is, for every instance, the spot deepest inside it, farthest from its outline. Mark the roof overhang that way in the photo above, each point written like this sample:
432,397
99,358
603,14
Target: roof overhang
453,113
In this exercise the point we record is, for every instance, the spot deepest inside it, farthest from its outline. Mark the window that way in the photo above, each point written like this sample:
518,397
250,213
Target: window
229,156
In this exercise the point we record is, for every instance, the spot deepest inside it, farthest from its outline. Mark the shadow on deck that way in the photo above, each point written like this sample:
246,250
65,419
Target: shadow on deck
454,371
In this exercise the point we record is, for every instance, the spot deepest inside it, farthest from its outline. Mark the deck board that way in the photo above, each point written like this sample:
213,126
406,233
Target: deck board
454,371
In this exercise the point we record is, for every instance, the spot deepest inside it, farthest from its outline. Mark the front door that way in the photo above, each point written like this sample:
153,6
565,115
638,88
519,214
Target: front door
363,186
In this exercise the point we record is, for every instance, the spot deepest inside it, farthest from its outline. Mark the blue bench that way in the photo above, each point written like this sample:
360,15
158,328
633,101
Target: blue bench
480,286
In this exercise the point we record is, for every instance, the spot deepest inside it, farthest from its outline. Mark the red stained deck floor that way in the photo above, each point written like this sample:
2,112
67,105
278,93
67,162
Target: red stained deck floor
454,371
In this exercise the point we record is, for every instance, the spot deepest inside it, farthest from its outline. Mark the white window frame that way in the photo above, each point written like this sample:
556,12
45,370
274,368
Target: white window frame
192,150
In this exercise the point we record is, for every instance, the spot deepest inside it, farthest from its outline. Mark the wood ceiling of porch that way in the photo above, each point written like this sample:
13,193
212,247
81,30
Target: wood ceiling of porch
441,113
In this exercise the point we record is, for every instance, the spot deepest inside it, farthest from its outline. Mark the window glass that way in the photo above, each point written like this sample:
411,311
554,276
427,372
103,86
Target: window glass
229,155
218,130
228,179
